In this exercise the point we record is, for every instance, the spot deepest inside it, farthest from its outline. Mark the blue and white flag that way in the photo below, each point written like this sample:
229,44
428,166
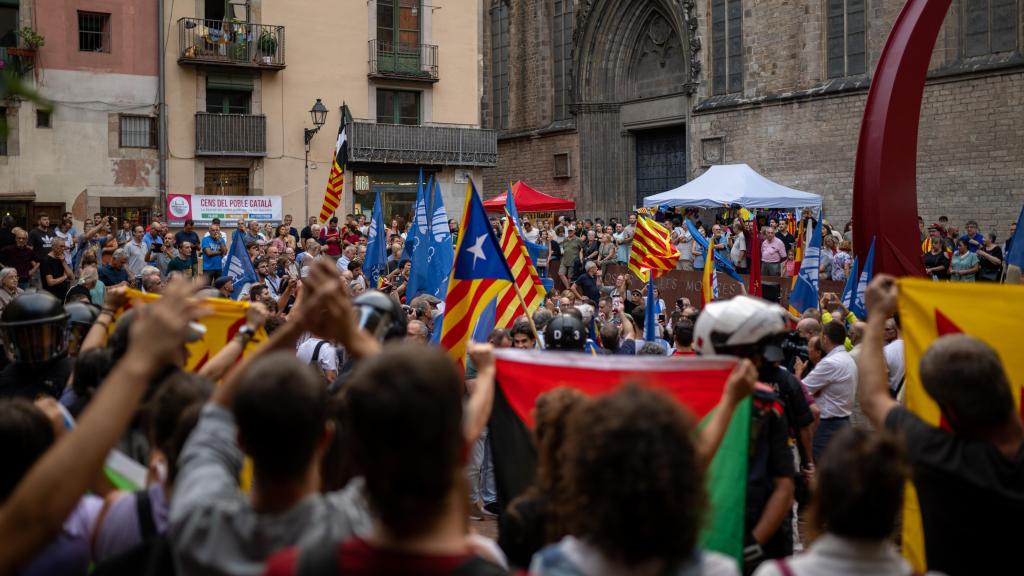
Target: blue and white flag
859,308
417,241
650,314
439,255
376,247
721,263
238,266
1015,248
805,291
850,289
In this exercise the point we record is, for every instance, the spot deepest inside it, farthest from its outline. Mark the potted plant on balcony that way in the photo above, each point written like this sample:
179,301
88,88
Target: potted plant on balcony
268,46
31,40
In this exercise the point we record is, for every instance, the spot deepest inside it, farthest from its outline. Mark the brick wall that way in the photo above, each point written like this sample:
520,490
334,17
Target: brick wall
532,160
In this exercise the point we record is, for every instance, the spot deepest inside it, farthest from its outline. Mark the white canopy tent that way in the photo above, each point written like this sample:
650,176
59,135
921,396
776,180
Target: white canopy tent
725,185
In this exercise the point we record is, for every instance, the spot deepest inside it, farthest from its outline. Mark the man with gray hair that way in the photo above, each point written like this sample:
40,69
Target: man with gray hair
116,273
150,280
136,251
416,331
585,285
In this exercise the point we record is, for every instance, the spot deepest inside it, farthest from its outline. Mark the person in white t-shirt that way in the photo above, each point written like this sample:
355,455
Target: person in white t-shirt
326,356
683,241
738,253
894,359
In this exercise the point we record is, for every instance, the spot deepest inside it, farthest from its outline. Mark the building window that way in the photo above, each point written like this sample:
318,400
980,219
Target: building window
398,107
137,215
8,24
137,131
499,65
845,43
93,32
726,46
229,94
990,26
226,181
563,169
42,119
561,44
398,25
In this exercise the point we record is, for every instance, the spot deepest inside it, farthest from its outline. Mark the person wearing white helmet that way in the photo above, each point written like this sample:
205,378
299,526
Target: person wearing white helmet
753,328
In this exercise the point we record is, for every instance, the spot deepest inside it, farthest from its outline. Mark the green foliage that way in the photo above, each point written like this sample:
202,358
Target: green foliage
11,87
31,38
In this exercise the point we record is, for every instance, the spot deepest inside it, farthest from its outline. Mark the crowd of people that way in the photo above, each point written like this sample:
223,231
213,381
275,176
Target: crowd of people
346,443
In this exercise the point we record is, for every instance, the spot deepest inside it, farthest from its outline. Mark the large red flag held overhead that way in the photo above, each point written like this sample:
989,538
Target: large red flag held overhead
885,177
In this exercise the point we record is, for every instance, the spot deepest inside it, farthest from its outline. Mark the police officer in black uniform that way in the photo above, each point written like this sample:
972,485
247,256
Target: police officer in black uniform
34,328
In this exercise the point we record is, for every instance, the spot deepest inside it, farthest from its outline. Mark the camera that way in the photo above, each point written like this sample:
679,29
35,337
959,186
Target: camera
794,346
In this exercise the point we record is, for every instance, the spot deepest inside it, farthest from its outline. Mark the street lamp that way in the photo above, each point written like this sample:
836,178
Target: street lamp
318,113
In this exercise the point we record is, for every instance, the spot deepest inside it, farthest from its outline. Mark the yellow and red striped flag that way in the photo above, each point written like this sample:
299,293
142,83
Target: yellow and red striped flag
928,310
652,251
527,279
336,180
478,275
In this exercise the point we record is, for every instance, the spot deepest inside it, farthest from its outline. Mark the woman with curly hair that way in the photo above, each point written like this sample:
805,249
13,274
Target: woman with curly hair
529,522
634,497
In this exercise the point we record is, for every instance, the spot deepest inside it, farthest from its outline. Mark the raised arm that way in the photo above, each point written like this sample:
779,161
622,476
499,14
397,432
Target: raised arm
739,385
481,400
36,510
872,378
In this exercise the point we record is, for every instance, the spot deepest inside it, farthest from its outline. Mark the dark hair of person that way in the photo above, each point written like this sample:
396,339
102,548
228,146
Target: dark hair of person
174,394
91,367
521,326
272,324
835,331
498,335
26,434
354,265
411,464
682,333
281,411
651,349
187,421
634,485
609,336
336,466
966,379
541,318
860,485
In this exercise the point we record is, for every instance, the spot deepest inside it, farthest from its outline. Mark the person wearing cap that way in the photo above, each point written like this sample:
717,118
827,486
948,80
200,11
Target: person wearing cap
225,285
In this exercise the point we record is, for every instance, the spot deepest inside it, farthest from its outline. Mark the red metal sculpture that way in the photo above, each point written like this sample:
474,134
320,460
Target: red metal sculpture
885,177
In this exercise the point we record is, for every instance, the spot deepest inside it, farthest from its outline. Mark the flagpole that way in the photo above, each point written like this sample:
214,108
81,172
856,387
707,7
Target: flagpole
522,302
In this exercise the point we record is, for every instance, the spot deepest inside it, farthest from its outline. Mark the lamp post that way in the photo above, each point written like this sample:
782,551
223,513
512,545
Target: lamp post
318,113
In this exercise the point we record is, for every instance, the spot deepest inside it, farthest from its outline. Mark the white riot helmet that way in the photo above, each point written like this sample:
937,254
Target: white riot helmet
741,326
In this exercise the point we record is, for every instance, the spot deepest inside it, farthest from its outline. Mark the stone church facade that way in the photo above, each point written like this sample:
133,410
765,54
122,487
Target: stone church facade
608,101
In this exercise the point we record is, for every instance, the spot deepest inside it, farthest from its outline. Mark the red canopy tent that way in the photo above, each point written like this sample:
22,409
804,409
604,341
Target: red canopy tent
529,200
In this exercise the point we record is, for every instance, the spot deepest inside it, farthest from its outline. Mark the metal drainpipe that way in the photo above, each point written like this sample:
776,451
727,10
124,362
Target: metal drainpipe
162,107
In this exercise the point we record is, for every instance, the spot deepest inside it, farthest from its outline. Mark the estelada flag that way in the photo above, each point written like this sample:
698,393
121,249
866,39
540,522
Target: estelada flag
697,383
928,310
225,319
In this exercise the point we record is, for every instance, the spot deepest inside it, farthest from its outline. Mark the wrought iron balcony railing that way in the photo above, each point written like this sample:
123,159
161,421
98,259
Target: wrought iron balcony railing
237,44
438,145
231,134
404,61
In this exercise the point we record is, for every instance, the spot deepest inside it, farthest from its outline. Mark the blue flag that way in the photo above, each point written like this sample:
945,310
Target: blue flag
805,291
721,263
439,253
238,265
850,289
376,247
416,241
650,314
1015,250
485,323
859,308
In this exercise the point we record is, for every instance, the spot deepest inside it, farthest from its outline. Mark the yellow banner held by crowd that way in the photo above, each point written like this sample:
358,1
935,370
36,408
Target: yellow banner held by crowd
928,310
222,323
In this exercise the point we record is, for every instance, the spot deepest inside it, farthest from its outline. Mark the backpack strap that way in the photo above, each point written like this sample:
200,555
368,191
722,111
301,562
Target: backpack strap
321,559
144,512
783,567
315,360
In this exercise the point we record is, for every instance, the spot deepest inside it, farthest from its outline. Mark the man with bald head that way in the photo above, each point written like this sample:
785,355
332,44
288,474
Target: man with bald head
808,327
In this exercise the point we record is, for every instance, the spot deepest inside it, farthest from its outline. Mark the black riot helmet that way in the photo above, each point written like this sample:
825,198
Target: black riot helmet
380,315
81,318
34,328
565,332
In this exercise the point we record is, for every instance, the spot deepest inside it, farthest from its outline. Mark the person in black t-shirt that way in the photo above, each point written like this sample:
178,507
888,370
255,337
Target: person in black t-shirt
41,237
55,273
970,483
585,285
936,262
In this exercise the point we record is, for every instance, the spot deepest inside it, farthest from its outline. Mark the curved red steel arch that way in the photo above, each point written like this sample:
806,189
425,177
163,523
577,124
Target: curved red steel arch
885,177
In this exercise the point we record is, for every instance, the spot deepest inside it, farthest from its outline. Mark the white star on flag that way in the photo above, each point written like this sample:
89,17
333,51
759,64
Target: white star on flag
478,249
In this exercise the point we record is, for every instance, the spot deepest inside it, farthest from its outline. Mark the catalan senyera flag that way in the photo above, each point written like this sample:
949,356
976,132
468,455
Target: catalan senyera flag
652,252
929,310
527,279
709,282
479,274
697,383
798,252
223,322
336,180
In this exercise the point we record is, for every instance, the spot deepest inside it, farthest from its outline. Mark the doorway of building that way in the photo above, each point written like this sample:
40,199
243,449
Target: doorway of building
226,182
660,161
18,211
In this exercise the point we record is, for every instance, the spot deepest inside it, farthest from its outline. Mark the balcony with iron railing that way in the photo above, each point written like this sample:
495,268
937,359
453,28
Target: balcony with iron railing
231,134
437,145
403,61
235,44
